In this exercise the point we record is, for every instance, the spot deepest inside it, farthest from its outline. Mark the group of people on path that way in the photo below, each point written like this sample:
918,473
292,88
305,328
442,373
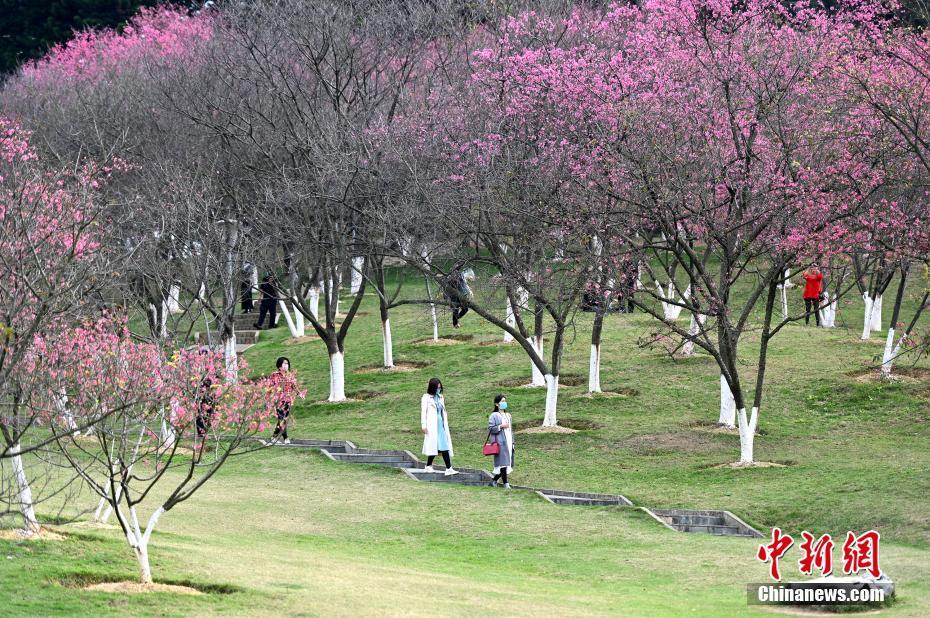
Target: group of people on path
437,437
434,423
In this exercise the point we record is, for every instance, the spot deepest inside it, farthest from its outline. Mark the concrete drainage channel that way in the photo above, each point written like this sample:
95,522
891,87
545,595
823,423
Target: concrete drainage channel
722,523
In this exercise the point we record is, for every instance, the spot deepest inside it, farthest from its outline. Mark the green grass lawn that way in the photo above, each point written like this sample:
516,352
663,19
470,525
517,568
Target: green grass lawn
290,532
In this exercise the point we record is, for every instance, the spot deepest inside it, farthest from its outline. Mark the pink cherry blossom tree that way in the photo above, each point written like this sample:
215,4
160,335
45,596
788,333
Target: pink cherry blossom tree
124,387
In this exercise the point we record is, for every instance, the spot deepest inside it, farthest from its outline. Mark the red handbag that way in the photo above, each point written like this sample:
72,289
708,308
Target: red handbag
491,448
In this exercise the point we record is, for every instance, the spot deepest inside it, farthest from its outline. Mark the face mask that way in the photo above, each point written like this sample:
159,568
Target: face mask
439,391
503,405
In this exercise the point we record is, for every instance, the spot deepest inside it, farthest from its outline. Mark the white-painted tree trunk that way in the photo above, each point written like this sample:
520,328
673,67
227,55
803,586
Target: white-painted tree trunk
510,320
315,302
174,298
337,377
877,314
784,302
388,343
892,349
828,313
867,316
161,319
697,321
538,378
24,492
231,358
727,405
432,310
356,283
299,324
552,399
747,433
139,542
594,369
291,326
202,293
168,436
670,311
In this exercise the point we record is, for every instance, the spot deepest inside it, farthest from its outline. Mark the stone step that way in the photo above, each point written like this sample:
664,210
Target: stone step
723,530
584,501
477,477
366,458
582,498
696,520
243,337
703,521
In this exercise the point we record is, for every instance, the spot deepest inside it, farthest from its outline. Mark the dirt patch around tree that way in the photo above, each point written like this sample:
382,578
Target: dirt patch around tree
906,375
567,380
620,391
447,340
299,340
137,588
399,367
738,465
556,429
671,442
566,425
44,534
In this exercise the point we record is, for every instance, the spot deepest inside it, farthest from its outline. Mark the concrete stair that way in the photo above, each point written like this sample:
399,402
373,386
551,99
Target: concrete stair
720,523
580,498
723,523
464,477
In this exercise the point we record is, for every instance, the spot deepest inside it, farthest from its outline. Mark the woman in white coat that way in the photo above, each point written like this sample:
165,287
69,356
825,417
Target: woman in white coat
434,422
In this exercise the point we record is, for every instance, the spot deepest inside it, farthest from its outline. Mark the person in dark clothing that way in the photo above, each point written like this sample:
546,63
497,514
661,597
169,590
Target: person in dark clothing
245,285
457,293
269,303
590,300
205,409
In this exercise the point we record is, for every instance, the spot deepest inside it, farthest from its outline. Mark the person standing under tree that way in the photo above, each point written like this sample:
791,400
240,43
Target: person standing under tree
245,286
286,382
457,293
269,302
434,423
812,291
500,430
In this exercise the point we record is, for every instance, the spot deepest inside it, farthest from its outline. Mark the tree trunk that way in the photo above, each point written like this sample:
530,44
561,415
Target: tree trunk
356,281
747,433
552,399
315,301
510,320
26,506
388,343
337,376
594,365
891,350
291,325
230,356
727,405
697,323
174,298
537,379
877,314
867,316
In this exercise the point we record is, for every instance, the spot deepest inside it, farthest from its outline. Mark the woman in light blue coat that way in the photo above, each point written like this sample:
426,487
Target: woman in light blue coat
500,426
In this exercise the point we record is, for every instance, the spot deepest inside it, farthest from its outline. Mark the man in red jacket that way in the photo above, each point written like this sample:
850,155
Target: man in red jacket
812,290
